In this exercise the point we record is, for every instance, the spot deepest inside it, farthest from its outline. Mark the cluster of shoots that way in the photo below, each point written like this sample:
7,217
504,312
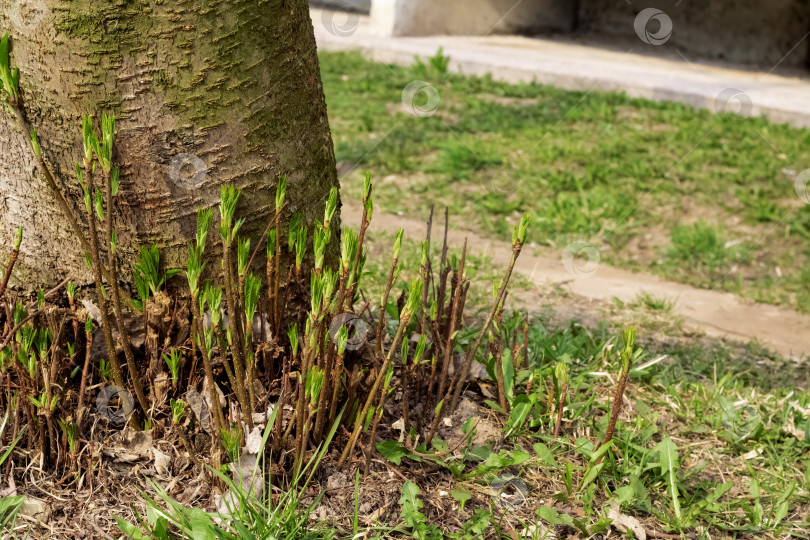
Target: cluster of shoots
248,335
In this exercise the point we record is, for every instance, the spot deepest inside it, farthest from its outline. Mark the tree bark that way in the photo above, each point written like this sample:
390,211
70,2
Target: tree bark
205,92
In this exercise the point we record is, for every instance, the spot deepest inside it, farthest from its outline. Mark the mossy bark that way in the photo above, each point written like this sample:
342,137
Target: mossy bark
235,83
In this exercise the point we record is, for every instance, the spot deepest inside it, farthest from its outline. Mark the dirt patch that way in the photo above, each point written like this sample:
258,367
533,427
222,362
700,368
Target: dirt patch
509,101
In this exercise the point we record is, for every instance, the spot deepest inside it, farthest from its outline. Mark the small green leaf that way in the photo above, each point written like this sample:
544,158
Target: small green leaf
545,455
668,463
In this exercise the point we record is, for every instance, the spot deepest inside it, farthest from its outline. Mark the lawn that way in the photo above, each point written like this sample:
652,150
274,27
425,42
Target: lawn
696,197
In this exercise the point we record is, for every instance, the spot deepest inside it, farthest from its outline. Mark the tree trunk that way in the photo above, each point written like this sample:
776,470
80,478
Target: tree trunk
205,92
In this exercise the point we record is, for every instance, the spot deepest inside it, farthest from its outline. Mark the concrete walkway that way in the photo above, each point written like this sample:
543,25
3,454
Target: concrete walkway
780,97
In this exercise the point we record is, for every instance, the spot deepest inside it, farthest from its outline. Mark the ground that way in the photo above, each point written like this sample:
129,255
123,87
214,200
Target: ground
713,439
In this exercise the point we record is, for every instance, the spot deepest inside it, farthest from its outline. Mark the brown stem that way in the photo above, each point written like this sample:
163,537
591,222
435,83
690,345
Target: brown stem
381,323
219,419
358,422
276,318
236,348
618,399
106,326
425,281
282,399
123,334
272,222
11,260
455,315
374,424
337,372
464,371
326,391
496,346
350,289
68,212
83,384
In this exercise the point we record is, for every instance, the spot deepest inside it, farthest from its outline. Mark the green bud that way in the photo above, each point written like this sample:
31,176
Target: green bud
35,143
99,205
107,137
281,191
229,196
115,176
420,349
18,239
331,206
89,138
204,218
252,287
561,372
314,384
292,333
348,248
242,255
194,268
178,410
300,247
342,339
519,232
389,373
367,186
369,209
292,234
9,78
271,244
398,243
414,298
213,297
319,242
629,341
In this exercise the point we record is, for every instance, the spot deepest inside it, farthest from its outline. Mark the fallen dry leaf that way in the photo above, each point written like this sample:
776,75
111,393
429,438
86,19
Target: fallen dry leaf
623,522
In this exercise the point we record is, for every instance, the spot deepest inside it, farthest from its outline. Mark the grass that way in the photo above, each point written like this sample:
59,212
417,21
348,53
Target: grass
706,449
645,182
